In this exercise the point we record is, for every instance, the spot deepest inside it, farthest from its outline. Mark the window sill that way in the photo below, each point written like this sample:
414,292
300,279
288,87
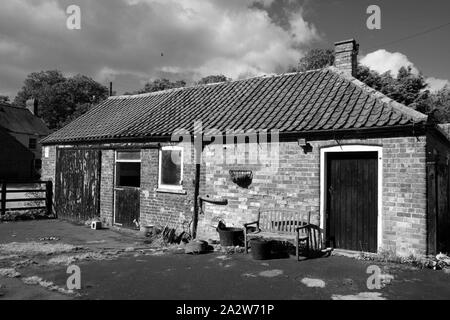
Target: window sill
175,191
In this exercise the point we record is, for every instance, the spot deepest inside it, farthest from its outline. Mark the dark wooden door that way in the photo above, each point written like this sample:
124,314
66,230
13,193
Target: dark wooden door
127,206
438,202
77,185
352,204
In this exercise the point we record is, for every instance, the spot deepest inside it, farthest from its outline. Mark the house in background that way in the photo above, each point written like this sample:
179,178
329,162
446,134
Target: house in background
20,151
376,171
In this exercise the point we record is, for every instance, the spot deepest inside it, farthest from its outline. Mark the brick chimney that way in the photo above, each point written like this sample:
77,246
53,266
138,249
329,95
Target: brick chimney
346,56
32,105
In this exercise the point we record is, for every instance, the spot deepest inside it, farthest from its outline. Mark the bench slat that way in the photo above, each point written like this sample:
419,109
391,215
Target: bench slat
282,221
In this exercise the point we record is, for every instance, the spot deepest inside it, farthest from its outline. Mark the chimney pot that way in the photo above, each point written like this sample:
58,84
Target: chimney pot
346,56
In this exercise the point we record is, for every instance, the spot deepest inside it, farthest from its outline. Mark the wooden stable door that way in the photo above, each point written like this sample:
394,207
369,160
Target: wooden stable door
127,189
77,185
352,204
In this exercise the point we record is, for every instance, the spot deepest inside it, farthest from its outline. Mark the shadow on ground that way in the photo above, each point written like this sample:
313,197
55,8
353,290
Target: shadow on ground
132,271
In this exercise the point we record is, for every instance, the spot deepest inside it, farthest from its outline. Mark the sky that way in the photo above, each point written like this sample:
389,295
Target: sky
131,42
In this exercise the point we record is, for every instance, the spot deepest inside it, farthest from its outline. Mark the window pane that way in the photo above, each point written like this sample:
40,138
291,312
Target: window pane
128,174
171,167
128,155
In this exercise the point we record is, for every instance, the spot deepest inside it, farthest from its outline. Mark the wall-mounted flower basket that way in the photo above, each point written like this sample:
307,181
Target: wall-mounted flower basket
242,178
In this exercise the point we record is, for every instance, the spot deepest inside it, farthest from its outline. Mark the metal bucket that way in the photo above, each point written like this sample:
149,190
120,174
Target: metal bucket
231,236
260,249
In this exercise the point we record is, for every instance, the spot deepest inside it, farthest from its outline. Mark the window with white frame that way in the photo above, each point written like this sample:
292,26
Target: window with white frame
171,168
128,169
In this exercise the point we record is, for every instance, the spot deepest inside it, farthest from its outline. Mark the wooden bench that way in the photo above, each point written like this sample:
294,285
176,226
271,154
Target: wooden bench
284,225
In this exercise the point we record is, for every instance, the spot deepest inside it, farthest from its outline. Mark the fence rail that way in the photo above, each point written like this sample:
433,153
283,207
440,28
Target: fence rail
48,196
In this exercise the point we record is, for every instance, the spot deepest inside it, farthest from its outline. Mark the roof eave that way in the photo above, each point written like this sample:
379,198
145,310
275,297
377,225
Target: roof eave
409,129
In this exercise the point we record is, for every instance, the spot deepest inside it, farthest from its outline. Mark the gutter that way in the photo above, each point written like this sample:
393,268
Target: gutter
411,129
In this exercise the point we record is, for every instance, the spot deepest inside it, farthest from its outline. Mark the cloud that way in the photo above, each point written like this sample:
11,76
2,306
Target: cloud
132,41
383,61
435,84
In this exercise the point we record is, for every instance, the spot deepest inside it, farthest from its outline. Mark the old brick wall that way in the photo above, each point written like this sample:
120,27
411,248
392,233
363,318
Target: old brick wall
162,207
49,167
49,164
107,187
296,184
157,207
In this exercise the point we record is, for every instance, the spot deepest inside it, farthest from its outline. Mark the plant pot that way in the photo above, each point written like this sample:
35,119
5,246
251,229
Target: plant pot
260,249
231,237
147,231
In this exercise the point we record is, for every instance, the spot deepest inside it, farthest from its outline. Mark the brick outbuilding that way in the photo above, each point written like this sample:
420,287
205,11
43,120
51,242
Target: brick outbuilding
375,171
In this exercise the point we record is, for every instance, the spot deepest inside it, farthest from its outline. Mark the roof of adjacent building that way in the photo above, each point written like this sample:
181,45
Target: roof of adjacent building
21,121
319,100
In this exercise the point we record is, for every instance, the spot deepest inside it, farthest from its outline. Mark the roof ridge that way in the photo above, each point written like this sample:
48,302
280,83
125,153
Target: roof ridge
147,94
416,116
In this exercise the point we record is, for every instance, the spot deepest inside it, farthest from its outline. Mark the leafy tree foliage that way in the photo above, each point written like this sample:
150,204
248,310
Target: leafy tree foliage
165,84
159,85
60,99
315,59
407,88
213,79
4,99
438,104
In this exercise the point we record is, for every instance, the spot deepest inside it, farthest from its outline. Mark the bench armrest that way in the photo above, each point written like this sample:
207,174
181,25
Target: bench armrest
297,229
250,223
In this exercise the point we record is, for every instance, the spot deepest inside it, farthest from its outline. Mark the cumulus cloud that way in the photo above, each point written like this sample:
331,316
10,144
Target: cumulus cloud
132,41
383,61
435,84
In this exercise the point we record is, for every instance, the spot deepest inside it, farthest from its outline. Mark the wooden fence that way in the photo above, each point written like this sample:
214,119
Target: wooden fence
10,187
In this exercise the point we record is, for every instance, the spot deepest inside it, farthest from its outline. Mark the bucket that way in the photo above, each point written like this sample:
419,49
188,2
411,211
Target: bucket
147,231
260,249
231,236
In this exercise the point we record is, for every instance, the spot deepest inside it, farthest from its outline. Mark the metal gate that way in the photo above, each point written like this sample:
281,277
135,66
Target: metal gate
77,185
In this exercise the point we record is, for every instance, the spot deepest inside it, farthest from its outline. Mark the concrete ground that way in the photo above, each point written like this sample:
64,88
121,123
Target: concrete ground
120,266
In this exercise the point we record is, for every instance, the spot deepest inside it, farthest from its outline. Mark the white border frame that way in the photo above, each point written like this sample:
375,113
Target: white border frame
323,182
167,186
115,187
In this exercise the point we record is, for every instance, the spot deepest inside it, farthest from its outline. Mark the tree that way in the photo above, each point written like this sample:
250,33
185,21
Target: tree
60,99
213,79
406,88
159,85
315,59
440,105
4,99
